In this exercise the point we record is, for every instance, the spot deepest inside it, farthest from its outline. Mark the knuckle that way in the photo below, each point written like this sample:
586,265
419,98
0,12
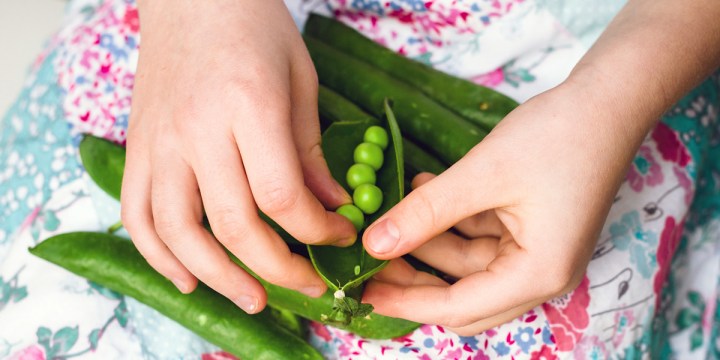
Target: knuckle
229,225
284,274
213,275
168,227
454,319
276,196
130,221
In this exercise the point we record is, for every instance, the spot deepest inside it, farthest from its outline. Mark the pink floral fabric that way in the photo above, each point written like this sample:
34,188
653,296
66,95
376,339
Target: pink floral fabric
512,45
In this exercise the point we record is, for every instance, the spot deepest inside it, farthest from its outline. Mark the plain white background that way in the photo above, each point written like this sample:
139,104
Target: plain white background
25,25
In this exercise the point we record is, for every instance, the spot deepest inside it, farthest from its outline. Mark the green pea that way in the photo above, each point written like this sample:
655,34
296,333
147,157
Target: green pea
377,135
369,154
352,213
359,174
368,198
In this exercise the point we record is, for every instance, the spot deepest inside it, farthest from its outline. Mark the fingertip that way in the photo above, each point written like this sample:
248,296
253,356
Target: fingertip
344,233
314,291
185,285
379,295
421,179
382,239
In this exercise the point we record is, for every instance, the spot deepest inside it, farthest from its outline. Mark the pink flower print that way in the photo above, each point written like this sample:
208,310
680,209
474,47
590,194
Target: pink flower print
491,79
590,347
644,170
669,240
454,354
33,352
545,353
623,323
219,355
568,316
320,330
669,145
131,20
685,183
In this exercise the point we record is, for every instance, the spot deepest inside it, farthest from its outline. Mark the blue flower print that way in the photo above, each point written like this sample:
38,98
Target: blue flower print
628,234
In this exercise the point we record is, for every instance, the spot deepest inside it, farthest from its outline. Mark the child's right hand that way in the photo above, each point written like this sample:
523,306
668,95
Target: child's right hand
224,118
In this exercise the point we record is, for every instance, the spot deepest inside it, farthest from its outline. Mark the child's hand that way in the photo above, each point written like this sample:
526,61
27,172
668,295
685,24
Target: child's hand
224,119
528,202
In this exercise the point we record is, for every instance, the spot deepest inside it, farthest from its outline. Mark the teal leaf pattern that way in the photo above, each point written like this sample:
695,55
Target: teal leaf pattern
65,339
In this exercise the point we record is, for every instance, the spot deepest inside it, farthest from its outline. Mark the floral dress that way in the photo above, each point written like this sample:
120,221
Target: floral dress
650,291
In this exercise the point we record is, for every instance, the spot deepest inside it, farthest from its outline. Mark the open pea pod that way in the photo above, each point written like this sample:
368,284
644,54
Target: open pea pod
104,161
347,268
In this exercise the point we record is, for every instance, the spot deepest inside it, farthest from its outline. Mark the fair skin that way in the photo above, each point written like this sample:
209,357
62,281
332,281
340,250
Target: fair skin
224,119
530,200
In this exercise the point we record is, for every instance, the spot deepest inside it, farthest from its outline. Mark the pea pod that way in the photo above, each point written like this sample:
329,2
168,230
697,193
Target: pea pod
115,263
372,326
347,268
418,160
483,106
333,107
421,118
104,162
100,167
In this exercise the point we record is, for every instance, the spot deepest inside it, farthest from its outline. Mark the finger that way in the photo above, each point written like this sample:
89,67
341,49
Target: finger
510,279
483,224
421,179
306,131
400,272
457,256
137,218
236,224
493,321
177,209
276,179
429,210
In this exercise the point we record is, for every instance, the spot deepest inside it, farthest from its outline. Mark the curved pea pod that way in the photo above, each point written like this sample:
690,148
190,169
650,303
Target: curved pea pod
483,106
114,262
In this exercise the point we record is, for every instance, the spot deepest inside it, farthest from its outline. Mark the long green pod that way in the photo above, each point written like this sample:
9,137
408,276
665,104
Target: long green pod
483,106
104,161
418,160
101,169
372,326
421,118
114,262
333,107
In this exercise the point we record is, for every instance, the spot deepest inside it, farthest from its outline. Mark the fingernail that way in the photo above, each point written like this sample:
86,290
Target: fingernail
313,291
248,303
383,237
181,285
342,194
346,242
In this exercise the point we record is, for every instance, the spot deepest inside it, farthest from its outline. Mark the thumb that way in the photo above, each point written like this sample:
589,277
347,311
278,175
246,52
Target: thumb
429,210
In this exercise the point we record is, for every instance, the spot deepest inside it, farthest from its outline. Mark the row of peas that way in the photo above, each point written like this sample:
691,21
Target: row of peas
361,177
